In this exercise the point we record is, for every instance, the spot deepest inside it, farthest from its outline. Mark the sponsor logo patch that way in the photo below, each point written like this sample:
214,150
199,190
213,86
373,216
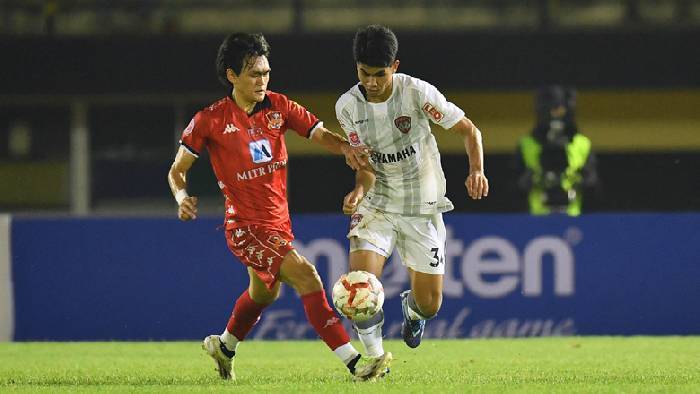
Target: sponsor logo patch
355,220
403,123
379,157
433,112
230,128
354,139
255,132
274,120
333,320
260,151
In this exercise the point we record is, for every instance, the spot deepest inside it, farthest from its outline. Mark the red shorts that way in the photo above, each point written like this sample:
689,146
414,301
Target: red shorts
261,249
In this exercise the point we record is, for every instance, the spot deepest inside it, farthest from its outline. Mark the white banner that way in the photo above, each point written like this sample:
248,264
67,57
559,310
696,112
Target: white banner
7,316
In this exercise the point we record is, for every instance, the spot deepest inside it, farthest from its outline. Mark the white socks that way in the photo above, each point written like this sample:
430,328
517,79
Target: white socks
229,340
370,333
346,353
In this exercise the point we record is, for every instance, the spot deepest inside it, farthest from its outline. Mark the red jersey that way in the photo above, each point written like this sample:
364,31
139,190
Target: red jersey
249,155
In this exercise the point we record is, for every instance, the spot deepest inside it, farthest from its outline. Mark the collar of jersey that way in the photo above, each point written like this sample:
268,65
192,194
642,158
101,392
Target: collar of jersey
266,103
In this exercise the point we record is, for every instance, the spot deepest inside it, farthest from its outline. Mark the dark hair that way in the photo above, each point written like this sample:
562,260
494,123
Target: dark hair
550,97
236,49
375,46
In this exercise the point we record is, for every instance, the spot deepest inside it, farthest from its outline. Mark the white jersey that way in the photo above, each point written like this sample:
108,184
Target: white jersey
405,158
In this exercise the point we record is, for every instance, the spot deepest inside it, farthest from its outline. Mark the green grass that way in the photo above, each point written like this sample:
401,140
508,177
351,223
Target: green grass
563,365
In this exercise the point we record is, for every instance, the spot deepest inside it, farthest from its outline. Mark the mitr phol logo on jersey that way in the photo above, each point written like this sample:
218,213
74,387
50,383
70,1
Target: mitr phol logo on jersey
260,171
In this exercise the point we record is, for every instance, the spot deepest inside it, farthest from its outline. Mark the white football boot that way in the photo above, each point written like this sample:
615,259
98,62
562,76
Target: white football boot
217,350
371,368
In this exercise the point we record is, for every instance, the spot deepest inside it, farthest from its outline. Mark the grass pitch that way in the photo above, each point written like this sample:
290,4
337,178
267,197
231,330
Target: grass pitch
564,365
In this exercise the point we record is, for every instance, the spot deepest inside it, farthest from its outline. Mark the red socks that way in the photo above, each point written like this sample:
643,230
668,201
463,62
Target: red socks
324,320
245,314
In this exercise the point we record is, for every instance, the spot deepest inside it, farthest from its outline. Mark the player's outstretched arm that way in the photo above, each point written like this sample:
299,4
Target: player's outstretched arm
355,156
177,179
477,184
364,180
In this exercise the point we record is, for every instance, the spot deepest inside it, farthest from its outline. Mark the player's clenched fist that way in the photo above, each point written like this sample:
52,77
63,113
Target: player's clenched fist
352,200
477,185
187,209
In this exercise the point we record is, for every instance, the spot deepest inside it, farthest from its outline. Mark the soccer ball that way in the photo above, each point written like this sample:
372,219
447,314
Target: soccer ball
358,295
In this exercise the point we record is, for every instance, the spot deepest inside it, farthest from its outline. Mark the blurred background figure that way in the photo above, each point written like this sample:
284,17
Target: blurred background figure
49,14
19,140
555,162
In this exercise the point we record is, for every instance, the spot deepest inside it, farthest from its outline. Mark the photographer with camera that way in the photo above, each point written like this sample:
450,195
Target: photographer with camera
555,161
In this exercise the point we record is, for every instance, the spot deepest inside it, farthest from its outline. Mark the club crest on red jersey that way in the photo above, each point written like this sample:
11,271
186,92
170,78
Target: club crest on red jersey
355,220
276,240
403,123
433,112
354,138
274,120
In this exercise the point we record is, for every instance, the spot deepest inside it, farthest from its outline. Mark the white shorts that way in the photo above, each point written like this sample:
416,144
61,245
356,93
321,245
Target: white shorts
420,240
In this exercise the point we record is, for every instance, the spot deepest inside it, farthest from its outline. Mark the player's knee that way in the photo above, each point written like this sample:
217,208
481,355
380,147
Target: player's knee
429,304
302,275
265,297
429,311
308,280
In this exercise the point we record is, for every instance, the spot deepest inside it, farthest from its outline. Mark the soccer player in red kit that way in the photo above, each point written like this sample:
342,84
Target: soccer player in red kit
244,134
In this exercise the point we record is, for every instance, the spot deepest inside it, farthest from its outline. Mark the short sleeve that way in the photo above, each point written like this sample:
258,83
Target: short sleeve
195,134
435,106
342,113
300,119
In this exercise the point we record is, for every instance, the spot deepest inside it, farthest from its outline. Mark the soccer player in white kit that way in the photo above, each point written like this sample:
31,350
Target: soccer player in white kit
398,200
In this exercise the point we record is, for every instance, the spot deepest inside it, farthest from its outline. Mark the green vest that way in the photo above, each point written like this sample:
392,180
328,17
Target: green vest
577,152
